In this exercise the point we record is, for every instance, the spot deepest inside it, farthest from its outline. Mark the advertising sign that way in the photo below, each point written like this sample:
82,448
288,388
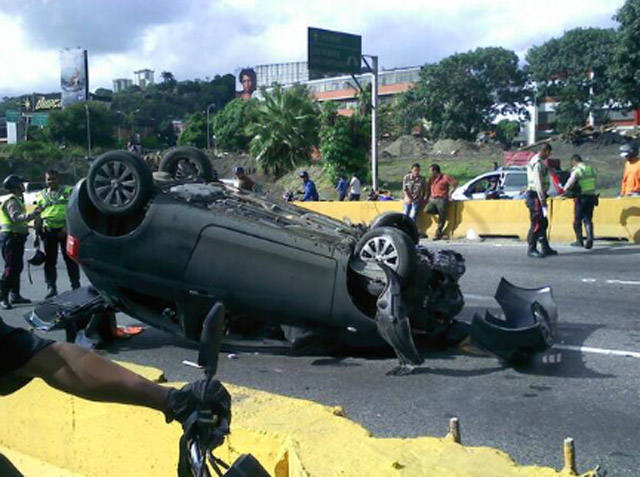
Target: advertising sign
74,76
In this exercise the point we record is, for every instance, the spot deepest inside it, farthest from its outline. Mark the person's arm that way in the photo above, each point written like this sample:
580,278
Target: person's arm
15,212
405,190
452,186
76,371
623,184
571,181
307,192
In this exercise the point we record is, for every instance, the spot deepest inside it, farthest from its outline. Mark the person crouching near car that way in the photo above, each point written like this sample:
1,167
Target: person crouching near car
51,228
439,189
14,230
537,186
414,187
584,177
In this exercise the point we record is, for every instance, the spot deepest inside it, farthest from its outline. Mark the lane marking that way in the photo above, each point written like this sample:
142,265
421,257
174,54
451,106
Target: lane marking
623,282
609,352
471,296
589,280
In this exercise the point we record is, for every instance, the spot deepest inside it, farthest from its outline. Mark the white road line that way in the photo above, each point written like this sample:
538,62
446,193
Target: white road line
589,280
478,297
610,352
623,282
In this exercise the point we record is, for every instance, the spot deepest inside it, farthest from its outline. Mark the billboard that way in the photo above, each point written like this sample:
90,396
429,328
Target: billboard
74,76
249,83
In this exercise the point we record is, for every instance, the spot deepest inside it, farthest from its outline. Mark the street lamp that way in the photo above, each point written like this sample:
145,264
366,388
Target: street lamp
212,105
86,109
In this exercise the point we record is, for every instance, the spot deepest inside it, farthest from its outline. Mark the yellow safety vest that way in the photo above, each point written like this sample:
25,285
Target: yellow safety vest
54,206
586,178
6,225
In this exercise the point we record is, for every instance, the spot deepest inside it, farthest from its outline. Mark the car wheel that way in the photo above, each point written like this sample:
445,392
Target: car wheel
187,163
390,246
399,221
119,183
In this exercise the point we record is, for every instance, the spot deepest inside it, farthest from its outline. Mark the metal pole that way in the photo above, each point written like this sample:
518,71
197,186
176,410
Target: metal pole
86,108
374,123
209,127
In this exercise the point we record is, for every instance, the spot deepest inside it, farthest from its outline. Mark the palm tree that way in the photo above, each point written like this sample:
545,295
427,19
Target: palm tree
285,128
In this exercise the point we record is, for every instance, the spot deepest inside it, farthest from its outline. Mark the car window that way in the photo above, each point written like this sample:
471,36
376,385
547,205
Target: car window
482,185
515,181
34,186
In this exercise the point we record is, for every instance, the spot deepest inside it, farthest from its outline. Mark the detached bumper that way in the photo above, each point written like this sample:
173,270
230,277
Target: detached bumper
528,326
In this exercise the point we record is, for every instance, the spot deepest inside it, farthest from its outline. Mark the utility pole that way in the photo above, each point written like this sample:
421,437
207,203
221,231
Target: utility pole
212,105
373,69
86,109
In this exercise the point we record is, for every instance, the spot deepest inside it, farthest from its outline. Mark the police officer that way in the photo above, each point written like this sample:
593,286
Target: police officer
537,186
14,230
51,227
585,200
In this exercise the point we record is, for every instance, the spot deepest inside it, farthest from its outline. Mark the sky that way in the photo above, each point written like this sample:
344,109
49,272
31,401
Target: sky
198,39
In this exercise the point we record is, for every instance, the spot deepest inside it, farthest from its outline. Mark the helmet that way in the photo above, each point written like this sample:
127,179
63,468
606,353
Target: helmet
238,170
629,150
304,174
37,259
12,182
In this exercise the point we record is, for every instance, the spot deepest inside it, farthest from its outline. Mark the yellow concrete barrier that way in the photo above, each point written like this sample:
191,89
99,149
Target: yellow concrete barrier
613,218
51,433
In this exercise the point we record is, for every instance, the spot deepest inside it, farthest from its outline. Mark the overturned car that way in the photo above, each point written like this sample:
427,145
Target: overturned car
166,251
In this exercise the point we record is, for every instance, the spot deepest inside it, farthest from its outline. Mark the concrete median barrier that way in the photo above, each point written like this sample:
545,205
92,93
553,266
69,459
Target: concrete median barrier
616,218
50,433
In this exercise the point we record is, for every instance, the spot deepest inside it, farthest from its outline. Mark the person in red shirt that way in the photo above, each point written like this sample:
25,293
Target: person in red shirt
439,189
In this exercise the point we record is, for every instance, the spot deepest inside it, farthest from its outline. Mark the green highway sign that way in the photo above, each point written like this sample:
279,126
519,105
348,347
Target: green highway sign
39,119
13,116
333,51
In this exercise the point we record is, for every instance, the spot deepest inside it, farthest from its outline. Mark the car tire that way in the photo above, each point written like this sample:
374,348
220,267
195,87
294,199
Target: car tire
399,221
390,246
197,161
119,183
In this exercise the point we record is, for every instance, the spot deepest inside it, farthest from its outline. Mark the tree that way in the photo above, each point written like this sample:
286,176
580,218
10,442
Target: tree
626,57
506,131
576,69
70,124
230,123
461,95
195,133
285,128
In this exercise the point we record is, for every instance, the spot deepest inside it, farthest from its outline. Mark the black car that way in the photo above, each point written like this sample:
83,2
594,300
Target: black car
167,250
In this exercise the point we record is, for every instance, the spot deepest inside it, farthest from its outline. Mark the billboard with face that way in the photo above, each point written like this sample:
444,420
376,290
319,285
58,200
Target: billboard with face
74,76
247,78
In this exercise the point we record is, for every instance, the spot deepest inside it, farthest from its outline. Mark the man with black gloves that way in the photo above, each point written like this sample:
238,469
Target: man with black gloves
76,371
537,186
584,176
51,227
14,230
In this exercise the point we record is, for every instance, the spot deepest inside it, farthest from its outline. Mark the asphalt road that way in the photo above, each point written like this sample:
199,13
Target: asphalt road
585,395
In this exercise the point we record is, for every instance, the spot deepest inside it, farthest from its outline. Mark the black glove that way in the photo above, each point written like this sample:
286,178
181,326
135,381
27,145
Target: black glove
205,404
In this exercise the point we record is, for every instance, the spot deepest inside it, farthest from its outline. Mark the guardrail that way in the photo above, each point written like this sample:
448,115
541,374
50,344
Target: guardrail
615,218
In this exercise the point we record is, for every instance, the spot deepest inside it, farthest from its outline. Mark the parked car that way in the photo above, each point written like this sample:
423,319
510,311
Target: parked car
167,252
505,183
31,190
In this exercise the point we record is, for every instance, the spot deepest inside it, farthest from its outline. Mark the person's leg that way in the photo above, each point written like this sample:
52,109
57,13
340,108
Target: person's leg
589,203
407,209
442,205
73,269
18,266
6,274
532,236
415,207
50,262
577,223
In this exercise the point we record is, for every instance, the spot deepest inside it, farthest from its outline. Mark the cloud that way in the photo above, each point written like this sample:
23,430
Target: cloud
202,38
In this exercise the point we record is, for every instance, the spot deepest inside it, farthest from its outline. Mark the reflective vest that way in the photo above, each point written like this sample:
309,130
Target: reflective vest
586,178
531,174
6,225
54,206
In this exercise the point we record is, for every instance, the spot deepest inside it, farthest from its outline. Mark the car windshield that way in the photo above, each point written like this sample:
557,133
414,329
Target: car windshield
515,181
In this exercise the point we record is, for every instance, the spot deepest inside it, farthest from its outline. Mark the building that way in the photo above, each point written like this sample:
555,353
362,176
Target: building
143,78
120,84
281,73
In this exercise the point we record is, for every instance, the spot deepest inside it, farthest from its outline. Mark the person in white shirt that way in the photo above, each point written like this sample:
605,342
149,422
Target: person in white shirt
355,188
